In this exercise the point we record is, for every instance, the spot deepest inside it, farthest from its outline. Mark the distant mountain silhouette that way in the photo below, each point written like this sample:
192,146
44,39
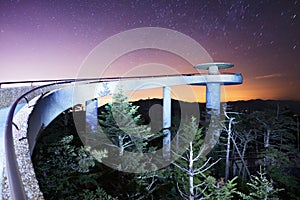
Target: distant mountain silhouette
261,105
238,106
151,110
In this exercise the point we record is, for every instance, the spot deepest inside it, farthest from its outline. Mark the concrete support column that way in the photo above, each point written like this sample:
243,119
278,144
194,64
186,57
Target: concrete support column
91,115
213,97
167,122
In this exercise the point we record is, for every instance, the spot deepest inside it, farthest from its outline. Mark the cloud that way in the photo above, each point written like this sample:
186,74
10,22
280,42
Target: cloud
268,76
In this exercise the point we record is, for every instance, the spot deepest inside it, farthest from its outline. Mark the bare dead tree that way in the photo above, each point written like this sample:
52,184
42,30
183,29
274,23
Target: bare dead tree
193,164
230,138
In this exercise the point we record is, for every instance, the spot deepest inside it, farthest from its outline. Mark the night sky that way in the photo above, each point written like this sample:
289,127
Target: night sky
50,39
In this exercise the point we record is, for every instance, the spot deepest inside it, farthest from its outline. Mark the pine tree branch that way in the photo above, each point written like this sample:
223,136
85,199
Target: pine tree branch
180,156
201,171
181,168
182,194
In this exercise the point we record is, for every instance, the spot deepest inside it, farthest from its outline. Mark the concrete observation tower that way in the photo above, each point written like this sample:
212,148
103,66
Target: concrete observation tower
54,101
214,80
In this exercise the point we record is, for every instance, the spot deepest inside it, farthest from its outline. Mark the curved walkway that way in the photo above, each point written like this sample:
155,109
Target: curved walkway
59,100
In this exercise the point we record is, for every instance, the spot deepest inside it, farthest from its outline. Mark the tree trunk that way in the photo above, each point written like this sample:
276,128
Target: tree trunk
240,155
191,172
121,145
121,150
227,158
233,160
228,150
267,138
244,149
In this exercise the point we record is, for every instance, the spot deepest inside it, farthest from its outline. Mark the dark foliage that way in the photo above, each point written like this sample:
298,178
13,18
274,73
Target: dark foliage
66,170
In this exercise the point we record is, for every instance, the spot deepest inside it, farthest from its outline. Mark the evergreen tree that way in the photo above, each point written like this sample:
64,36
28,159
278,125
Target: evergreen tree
63,167
122,125
279,150
260,188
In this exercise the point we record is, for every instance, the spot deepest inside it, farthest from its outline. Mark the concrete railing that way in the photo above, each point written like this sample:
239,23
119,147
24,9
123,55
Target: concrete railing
12,135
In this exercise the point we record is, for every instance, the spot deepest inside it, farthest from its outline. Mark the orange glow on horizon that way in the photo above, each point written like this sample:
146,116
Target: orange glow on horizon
228,93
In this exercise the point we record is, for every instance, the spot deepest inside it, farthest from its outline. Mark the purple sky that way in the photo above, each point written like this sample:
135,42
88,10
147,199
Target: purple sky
50,39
